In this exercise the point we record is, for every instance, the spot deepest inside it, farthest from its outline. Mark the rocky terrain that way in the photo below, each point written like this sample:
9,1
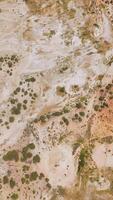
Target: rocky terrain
56,100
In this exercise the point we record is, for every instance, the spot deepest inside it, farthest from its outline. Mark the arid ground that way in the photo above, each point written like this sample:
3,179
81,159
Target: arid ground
56,100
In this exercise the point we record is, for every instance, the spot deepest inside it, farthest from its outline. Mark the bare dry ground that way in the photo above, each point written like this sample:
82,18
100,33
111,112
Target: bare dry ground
56,100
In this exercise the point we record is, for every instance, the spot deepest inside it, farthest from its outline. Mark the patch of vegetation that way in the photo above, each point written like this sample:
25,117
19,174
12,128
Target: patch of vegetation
41,176
82,158
48,185
102,46
33,176
11,156
5,180
26,176
101,98
14,196
14,57
58,113
16,109
100,77
65,110
36,159
11,119
12,183
43,118
13,101
17,90
75,146
27,147
26,155
77,117
85,34
65,120
108,139
60,90
47,179
79,105
96,107
31,79
31,146
110,61
108,86
49,34
25,168
61,191
75,88
63,69
23,180
82,114
24,107
67,36
25,101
